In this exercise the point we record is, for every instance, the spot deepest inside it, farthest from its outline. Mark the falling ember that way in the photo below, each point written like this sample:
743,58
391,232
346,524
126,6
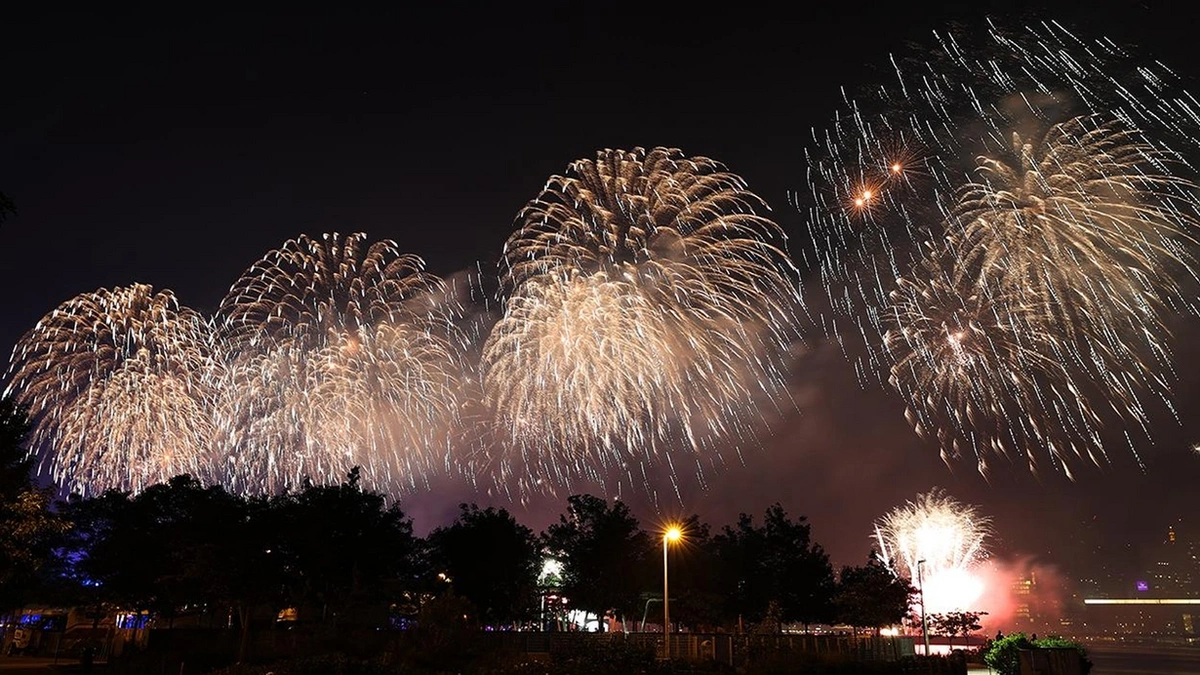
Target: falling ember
1016,293
1084,216
338,354
118,388
647,305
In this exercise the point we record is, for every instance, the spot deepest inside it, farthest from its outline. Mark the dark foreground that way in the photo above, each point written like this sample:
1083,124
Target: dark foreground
29,665
1144,659
1108,659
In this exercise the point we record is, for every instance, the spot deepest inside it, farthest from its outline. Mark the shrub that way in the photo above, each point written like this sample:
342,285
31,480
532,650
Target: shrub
1054,641
1004,654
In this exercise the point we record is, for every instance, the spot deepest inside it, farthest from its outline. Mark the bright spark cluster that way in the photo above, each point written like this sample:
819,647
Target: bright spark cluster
647,313
946,539
337,354
325,355
1005,230
647,307
119,384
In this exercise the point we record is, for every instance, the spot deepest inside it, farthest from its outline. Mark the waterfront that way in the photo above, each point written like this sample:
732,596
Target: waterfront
1144,659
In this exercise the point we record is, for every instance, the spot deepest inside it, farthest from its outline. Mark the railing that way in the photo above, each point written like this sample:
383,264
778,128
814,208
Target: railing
724,647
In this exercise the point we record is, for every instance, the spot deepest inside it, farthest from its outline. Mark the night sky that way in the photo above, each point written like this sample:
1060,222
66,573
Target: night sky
175,149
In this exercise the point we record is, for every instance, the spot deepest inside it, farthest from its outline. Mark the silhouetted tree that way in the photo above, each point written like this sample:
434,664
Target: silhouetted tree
345,550
492,561
224,556
15,461
954,624
775,565
604,554
7,207
174,544
30,528
872,596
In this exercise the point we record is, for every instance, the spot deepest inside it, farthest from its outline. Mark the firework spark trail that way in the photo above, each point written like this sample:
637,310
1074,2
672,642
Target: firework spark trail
957,355
1053,279
947,537
647,307
1055,261
116,382
338,354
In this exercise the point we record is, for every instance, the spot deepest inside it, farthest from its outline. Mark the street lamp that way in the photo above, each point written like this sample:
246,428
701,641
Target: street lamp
921,588
673,533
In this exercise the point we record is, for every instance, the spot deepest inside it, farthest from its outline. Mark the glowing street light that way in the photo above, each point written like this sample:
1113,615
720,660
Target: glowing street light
673,533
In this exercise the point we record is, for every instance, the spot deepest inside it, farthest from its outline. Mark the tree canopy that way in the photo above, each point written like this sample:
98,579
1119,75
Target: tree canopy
340,546
31,529
342,556
872,596
954,624
604,554
775,570
491,560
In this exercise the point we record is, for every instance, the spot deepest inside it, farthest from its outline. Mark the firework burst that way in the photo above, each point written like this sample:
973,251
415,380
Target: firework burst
339,354
938,542
1088,225
1041,315
117,385
647,307
1015,286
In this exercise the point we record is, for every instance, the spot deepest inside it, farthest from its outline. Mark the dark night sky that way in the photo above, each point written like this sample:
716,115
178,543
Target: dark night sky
175,149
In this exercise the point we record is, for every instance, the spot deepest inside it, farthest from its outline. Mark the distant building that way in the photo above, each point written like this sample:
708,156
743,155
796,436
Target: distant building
1022,593
1161,603
1174,570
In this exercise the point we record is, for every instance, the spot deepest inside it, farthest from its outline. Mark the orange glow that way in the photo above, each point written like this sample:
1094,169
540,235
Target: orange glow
673,533
864,198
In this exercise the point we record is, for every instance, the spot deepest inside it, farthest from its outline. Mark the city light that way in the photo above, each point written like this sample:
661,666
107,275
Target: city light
673,533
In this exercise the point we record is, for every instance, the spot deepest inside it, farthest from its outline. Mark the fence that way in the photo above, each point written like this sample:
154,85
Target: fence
724,647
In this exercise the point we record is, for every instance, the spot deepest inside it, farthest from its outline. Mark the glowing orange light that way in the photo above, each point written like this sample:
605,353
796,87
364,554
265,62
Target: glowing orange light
673,533
896,167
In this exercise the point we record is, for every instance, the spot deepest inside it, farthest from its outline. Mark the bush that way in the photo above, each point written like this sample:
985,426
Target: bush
1054,641
444,638
1004,654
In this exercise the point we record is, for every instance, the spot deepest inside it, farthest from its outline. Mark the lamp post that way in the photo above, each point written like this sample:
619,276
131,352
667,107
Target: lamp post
672,534
921,588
